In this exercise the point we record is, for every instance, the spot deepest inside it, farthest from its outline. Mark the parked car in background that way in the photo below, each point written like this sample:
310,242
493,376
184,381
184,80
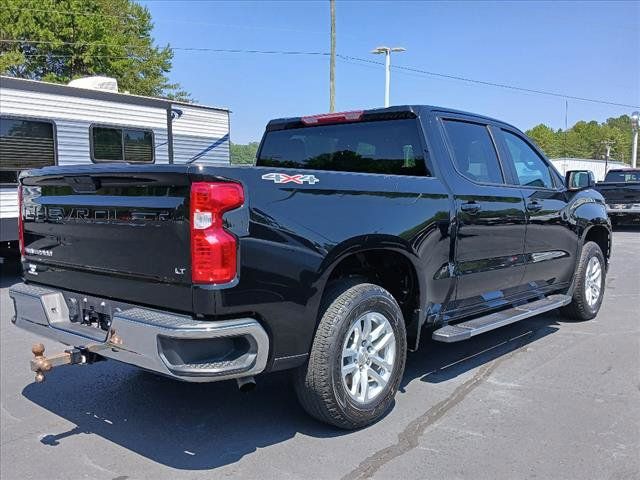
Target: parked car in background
355,234
621,190
89,121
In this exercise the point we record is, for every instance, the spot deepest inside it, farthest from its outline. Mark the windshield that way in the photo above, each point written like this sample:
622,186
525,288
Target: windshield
385,147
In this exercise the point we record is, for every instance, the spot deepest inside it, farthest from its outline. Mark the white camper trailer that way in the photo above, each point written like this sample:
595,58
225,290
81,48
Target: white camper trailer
88,121
598,167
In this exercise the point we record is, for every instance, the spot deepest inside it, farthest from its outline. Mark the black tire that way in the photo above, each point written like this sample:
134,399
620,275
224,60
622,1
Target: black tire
319,384
579,308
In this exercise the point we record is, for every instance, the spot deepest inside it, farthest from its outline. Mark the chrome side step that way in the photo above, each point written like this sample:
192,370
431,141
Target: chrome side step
471,328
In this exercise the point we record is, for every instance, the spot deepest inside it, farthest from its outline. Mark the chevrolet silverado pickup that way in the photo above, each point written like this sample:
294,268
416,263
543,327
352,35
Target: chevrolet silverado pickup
353,235
621,191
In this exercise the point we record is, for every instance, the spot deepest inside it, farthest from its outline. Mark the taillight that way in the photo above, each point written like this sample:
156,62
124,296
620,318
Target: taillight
336,117
213,249
20,221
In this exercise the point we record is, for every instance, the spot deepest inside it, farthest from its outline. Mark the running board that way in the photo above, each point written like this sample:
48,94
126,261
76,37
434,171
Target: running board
471,328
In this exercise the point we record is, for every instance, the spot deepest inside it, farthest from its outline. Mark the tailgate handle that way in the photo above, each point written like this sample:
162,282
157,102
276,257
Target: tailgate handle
83,184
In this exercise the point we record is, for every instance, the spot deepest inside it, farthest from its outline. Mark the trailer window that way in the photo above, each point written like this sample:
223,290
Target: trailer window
113,144
24,144
138,146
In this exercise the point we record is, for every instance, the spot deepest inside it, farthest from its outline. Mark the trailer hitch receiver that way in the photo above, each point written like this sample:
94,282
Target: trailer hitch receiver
41,365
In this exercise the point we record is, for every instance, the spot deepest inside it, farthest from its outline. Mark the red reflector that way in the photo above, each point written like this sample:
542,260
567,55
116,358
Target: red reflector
337,117
213,250
20,222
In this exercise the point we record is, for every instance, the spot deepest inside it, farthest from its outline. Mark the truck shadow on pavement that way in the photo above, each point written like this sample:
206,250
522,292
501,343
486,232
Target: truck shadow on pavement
205,426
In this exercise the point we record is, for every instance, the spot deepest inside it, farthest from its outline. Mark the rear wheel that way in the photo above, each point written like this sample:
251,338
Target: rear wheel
357,358
588,284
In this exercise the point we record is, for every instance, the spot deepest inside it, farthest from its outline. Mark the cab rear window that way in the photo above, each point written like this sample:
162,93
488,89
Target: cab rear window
622,176
391,147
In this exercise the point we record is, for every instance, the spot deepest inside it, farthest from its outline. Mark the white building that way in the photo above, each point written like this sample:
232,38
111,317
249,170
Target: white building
89,121
598,167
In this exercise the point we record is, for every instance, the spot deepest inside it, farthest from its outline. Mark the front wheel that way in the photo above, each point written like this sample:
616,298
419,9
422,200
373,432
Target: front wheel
357,358
588,284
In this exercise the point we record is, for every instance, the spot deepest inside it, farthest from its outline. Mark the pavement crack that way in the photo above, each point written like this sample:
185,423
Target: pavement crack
409,438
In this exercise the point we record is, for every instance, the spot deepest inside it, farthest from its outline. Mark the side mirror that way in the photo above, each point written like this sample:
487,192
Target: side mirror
579,179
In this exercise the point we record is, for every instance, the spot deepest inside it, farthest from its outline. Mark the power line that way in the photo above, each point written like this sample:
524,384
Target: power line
90,55
348,58
70,12
492,84
184,49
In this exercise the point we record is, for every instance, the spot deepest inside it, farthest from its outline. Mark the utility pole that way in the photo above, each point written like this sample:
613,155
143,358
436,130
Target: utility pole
607,148
332,65
387,67
635,119
566,126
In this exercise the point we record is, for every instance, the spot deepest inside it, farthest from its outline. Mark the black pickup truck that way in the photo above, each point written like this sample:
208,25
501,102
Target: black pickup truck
354,234
621,191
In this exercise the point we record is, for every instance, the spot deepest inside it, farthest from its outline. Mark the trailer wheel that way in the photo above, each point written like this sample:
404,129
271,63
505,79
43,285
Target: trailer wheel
357,358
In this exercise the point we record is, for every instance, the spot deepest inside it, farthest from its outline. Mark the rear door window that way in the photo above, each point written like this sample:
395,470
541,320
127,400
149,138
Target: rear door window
25,144
474,153
386,147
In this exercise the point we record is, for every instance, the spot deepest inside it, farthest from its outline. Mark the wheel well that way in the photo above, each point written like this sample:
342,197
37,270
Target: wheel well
600,235
391,270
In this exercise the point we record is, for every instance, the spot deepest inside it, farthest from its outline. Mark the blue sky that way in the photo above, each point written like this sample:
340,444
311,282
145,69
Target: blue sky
586,49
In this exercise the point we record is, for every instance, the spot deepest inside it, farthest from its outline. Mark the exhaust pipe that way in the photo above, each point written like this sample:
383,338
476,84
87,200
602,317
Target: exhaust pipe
246,384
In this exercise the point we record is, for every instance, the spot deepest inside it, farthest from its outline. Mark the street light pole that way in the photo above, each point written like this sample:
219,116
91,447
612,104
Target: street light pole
635,119
387,68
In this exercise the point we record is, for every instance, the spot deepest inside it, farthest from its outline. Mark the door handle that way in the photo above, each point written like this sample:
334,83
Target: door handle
534,206
470,207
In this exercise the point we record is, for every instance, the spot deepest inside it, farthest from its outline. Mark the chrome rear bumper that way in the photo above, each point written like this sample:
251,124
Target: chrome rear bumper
174,345
624,209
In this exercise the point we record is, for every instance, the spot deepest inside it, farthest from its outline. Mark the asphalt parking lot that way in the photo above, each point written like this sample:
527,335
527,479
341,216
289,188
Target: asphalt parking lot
543,398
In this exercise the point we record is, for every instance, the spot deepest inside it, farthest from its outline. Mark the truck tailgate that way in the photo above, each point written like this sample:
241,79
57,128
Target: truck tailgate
620,192
110,231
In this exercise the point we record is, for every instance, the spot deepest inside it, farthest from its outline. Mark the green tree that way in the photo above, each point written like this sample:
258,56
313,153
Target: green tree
586,139
549,141
59,40
244,154
618,130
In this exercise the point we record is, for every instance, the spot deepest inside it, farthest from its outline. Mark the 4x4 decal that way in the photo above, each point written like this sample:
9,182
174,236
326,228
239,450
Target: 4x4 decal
284,178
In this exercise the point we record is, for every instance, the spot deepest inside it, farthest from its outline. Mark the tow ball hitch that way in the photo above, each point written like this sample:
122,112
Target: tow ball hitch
73,356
